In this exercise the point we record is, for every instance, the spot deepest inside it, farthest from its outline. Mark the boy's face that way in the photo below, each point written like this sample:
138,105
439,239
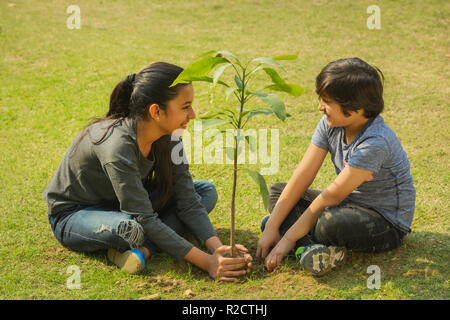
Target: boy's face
335,116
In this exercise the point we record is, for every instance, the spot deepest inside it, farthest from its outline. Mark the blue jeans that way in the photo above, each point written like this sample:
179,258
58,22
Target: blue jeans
99,227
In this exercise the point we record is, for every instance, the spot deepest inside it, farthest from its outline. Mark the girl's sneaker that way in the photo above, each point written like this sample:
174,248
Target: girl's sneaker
319,259
131,261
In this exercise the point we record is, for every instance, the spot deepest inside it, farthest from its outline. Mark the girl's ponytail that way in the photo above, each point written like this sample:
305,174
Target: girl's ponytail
119,107
119,102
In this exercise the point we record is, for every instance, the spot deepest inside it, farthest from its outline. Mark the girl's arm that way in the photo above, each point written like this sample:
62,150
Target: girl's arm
347,181
300,181
213,243
124,175
190,209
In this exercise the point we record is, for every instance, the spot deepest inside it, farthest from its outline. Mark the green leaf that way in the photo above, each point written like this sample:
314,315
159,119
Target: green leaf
275,103
218,73
261,182
269,61
259,67
251,143
228,110
290,88
205,54
208,115
208,123
244,113
238,82
280,85
227,54
276,79
229,91
285,57
230,114
198,70
230,153
207,79
258,112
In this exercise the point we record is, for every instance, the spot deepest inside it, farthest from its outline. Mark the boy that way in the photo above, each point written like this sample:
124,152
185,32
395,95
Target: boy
369,207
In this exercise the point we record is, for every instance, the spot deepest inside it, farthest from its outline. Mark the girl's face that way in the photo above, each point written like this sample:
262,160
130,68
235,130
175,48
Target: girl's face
333,111
179,112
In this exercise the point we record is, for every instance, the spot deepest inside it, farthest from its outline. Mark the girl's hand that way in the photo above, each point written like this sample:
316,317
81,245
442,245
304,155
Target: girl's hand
243,252
269,239
275,256
224,268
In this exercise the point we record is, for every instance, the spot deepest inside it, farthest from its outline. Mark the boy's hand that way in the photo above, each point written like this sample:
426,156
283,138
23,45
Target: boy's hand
269,239
275,256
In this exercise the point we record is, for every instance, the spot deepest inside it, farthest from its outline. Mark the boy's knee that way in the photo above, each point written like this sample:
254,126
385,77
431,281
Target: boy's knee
263,223
274,193
329,227
132,232
277,188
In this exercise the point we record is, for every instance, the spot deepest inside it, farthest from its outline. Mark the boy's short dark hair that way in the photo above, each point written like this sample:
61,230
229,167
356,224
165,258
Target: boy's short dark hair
353,84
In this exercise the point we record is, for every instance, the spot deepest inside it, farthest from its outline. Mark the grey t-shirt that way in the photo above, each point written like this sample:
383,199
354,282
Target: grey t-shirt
390,190
113,172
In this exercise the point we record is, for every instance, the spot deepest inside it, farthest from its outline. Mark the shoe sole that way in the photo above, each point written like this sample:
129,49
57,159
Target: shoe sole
338,256
127,261
316,260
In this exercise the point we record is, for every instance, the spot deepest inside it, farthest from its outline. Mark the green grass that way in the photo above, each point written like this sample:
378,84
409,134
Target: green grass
53,80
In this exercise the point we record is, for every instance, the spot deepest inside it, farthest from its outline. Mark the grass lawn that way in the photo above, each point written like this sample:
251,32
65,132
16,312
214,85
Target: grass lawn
53,80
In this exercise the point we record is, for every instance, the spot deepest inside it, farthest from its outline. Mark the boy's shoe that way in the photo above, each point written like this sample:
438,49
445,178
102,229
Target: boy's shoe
338,255
131,261
319,259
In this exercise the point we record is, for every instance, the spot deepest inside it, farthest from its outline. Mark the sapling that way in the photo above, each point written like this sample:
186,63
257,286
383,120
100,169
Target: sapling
200,69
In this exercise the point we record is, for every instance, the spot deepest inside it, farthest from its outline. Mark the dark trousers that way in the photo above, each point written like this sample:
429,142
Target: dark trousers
346,225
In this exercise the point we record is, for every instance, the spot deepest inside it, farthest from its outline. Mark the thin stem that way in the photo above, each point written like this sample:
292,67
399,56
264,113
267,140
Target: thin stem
248,97
233,196
234,122
234,67
242,100
243,125
237,96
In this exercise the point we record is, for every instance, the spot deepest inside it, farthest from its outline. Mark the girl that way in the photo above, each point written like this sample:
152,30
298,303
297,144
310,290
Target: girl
369,206
117,187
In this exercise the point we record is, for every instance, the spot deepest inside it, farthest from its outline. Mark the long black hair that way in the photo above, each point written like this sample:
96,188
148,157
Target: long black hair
131,98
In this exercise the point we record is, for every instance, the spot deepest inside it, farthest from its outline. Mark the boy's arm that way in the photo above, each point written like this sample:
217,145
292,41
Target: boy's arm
347,181
301,179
